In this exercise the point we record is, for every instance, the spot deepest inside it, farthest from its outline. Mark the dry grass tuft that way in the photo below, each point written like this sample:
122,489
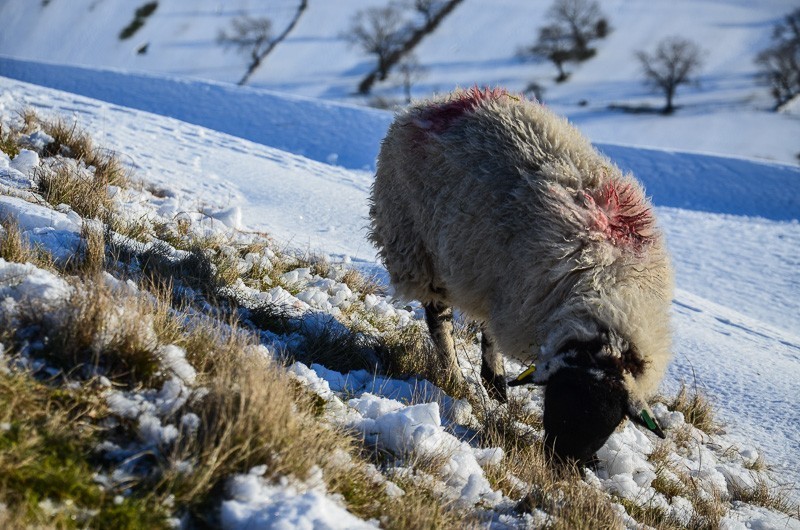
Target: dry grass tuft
359,283
763,494
99,328
697,410
251,414
8,142
410,351
71,142
14,247
336,347
64,184
86,191
92,251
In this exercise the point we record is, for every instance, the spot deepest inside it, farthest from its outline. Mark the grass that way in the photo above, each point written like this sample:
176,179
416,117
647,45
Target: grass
557,490
8,142
763,494
251,412
63,184
98,328
83,186
70,141
696,408
46,468
15,247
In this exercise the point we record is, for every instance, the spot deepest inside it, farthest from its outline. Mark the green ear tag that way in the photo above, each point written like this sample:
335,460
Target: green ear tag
526,373
648,420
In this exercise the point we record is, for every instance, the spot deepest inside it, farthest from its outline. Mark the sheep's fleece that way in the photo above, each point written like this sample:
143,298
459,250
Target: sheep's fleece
489,202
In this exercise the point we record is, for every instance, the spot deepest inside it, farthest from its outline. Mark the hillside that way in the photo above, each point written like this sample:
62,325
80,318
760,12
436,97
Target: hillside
202,185
727,113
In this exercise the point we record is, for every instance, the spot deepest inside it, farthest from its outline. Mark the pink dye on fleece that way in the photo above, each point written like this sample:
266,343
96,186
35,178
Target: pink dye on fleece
438,118
621,214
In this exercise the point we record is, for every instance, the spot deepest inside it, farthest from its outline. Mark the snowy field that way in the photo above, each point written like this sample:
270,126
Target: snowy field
735,311
274,158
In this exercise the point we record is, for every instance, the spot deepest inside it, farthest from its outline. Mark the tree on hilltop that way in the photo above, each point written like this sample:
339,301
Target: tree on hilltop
780,63
674,62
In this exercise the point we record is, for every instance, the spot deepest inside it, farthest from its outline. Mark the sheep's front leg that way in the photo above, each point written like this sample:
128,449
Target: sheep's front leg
440,324
493,373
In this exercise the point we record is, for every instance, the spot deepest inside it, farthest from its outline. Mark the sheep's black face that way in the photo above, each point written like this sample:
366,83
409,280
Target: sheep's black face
581,410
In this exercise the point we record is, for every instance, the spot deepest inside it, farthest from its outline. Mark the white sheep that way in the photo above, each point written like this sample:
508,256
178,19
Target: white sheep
491,203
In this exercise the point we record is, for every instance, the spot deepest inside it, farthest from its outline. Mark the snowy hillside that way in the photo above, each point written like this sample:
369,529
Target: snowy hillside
476,44
732,226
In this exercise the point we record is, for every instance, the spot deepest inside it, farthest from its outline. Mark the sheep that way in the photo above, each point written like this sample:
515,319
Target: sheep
492,204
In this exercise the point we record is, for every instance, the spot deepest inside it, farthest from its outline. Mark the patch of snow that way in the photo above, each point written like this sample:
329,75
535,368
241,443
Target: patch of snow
255,503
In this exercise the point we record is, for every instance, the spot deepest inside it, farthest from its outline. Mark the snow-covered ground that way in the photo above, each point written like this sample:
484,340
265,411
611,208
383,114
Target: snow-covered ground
735,317
272,158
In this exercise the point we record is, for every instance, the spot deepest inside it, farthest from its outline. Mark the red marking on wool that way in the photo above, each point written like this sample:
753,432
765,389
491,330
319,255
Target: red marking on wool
621,214
438,118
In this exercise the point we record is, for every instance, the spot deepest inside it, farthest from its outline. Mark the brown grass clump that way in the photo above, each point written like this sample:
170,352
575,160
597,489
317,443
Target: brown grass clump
360,283
92,251
8,142
74,143
763,494
697,410
99,327
251,414
15,248
86,192
64,183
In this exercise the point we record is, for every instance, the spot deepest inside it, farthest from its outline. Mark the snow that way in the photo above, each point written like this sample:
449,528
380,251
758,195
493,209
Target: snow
233,160
24,281
416,430
258,504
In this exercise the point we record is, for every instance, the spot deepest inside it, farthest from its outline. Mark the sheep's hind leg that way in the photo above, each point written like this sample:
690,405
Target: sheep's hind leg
493,373
439,318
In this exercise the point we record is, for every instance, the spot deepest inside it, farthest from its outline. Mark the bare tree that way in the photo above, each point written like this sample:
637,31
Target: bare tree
410,71
553,45
780,63
251,37
427,8
582,20
574,24
675,62
378,31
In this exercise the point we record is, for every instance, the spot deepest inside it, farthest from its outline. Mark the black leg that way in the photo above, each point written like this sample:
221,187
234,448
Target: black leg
492,370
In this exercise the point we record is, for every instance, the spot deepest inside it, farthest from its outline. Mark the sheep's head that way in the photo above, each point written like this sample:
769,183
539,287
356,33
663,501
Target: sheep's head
581,410
585,399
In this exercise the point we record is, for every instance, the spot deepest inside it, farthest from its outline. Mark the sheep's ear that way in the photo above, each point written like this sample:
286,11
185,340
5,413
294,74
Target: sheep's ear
640,413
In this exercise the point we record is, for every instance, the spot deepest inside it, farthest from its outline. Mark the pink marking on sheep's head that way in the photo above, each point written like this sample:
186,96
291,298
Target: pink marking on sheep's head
621,213
438,118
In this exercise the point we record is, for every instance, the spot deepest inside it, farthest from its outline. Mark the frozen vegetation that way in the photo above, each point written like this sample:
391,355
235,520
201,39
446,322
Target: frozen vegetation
178,245
194,331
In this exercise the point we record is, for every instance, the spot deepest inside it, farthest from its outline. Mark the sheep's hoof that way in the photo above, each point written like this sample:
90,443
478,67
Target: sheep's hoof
495,385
